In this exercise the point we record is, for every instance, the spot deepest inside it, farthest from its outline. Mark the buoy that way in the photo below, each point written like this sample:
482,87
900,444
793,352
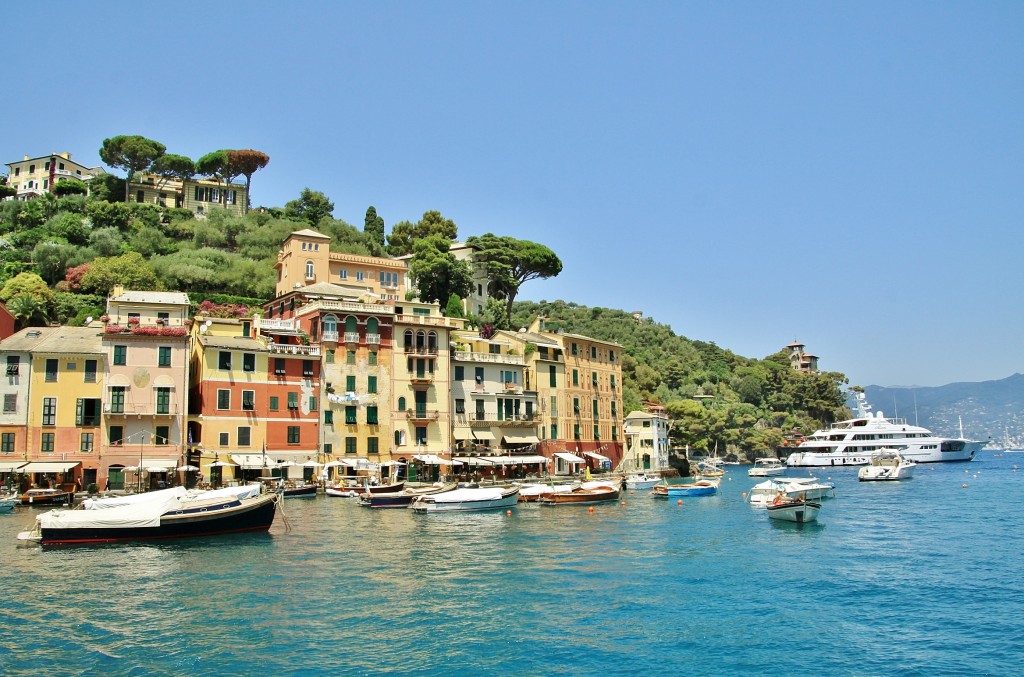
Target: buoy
508,512
964,485
623,503
679,502
631,492
591,508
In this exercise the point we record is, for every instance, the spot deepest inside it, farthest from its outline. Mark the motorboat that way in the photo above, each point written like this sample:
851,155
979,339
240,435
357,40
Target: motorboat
852,442
531,493
767,467
352,489
468,499
8,502
790,510
887,465
46,497
157,515
290,488
641,481
810,488
597,492
699,487
403,498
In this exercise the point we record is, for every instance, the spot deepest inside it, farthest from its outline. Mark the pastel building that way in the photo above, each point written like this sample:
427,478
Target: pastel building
198,195
647,440
801,360
33,176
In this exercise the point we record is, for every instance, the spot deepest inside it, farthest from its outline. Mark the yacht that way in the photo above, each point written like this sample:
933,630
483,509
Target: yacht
853,442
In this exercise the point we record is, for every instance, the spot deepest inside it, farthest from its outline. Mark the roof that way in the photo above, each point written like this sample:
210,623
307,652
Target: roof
72,341
171,297
331,289
231,342
591,339
27,339
309,232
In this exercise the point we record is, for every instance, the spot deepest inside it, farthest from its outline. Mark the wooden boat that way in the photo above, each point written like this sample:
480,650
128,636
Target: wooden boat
46,497
351,490
300,491
464,500
531,493
701,487
790,510
157,515
582,495
403,498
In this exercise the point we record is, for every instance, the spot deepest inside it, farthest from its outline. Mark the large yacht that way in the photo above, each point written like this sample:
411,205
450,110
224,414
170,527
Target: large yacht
853,442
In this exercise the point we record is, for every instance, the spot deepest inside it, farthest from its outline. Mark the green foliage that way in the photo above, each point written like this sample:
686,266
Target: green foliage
373,228
405,235
70,187
131,153
454,306
511,262
172,166
28,311
73,309
130,270
108,188
311,207
436,273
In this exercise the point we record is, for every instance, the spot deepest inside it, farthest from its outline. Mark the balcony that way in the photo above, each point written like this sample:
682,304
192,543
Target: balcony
286,349
329,337
427,351
421,380
351,337
373,339
512,420
279,325
421,414
430,321
493,358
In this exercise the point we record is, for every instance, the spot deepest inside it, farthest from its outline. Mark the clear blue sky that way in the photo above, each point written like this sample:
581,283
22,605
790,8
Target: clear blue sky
848,174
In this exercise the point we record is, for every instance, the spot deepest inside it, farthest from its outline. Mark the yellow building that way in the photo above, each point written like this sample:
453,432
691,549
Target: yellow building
197,195
32,177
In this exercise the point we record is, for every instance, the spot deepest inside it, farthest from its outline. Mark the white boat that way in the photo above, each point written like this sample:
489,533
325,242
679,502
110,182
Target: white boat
887,465
852,442
8,502
529,493
793,511
810,488
767,467
641,481
489,498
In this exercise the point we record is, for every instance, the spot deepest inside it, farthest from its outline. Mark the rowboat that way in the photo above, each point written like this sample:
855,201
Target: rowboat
582,495
793,511
45,497
464,500
350,490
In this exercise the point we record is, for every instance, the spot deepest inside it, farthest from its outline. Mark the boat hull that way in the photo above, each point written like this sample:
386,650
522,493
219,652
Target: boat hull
255,514
57,498
699,488
580,497
799,512
429,504
308,491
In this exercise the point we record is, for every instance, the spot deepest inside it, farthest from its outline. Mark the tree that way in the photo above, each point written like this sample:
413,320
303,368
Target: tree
312,206
373,228
218,165
28,311
131,153
436,273
404,235
27,284
6,190
511,262
247,163
70,187
130,270
172,166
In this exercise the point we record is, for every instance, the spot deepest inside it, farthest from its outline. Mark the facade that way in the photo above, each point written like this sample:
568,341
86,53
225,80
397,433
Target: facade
305,259
32,177
196,195
800,360
647,442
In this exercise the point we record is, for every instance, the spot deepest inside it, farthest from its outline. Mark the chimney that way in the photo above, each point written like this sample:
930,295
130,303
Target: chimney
117,290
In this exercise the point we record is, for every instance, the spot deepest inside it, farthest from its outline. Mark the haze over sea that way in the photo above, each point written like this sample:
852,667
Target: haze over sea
916,577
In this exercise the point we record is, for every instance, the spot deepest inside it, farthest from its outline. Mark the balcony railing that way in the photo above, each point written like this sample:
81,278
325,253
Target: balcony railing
421,350
494,358
288,325
428,320
329,337
373,339
285,348
422,414
351,337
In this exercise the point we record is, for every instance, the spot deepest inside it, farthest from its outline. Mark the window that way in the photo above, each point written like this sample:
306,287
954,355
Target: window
164,357
613,408
371,384
480,415
13,365
293,400
554,431
350,445
593,378
401,404
49,411
350,357
51,370
312,403
115,435
421,435
307,368
593,409
371,415
593,352
460,373
479,375
350,384
343,274
329,357
612,381
225,439
360,276
90,371
576,405
88,442
163,400
7,443
121,355
117,400
248,361
274,403
165,317
576,431
248,400
328,448
293,434
575,377
309,270
372,445
224,360
162,435
46,442
223,398
611,358
460,406
279,364
350,415
10,403
615,434
244,436
597,433
574,350
328,417
399,438
373,359
552,376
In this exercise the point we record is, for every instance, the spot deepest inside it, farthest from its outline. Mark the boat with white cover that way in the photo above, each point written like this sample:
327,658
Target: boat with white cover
462,500
887,465
767,467
812,489
852,442
641,481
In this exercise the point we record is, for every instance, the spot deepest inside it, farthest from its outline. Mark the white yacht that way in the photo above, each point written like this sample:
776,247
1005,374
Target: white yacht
887,465
854,441
766,467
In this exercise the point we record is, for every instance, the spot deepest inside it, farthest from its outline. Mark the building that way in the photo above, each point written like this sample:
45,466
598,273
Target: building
646,440
800,360
31,177
198,195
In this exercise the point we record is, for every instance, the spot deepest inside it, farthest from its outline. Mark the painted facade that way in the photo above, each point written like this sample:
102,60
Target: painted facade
198,196
305,260
647,441
32,177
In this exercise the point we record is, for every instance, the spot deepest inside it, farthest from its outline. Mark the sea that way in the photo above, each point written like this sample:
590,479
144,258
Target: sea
918,577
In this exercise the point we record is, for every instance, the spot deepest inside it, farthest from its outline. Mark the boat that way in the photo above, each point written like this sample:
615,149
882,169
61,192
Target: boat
403,498
582,495
157,515
46,497
531,493
810,488
699,487
464,500
351,490
790,510
290,489
852,442
711,467
8,502
887,465
767,467
641,481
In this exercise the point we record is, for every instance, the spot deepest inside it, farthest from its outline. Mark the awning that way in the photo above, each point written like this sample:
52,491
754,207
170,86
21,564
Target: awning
9,466
462,434
594,454
484,434
571,458
530,459
50,467
253,461
519,438
161,463
434,459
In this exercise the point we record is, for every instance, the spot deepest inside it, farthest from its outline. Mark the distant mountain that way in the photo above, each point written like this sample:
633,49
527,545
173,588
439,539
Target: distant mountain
989,409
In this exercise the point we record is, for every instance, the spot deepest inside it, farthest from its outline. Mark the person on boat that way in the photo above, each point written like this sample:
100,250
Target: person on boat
778,498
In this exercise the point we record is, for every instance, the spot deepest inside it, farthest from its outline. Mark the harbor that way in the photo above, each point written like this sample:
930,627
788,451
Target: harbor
630,586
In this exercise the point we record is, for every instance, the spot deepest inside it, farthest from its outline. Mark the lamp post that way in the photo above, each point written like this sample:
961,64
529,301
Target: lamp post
125,441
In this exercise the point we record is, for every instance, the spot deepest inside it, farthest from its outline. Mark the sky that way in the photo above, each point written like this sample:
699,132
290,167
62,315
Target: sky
846,174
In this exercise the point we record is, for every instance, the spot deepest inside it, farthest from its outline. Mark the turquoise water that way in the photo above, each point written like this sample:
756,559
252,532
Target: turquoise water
917,577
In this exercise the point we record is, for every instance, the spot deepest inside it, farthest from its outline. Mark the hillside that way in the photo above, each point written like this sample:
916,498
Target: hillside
988,409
